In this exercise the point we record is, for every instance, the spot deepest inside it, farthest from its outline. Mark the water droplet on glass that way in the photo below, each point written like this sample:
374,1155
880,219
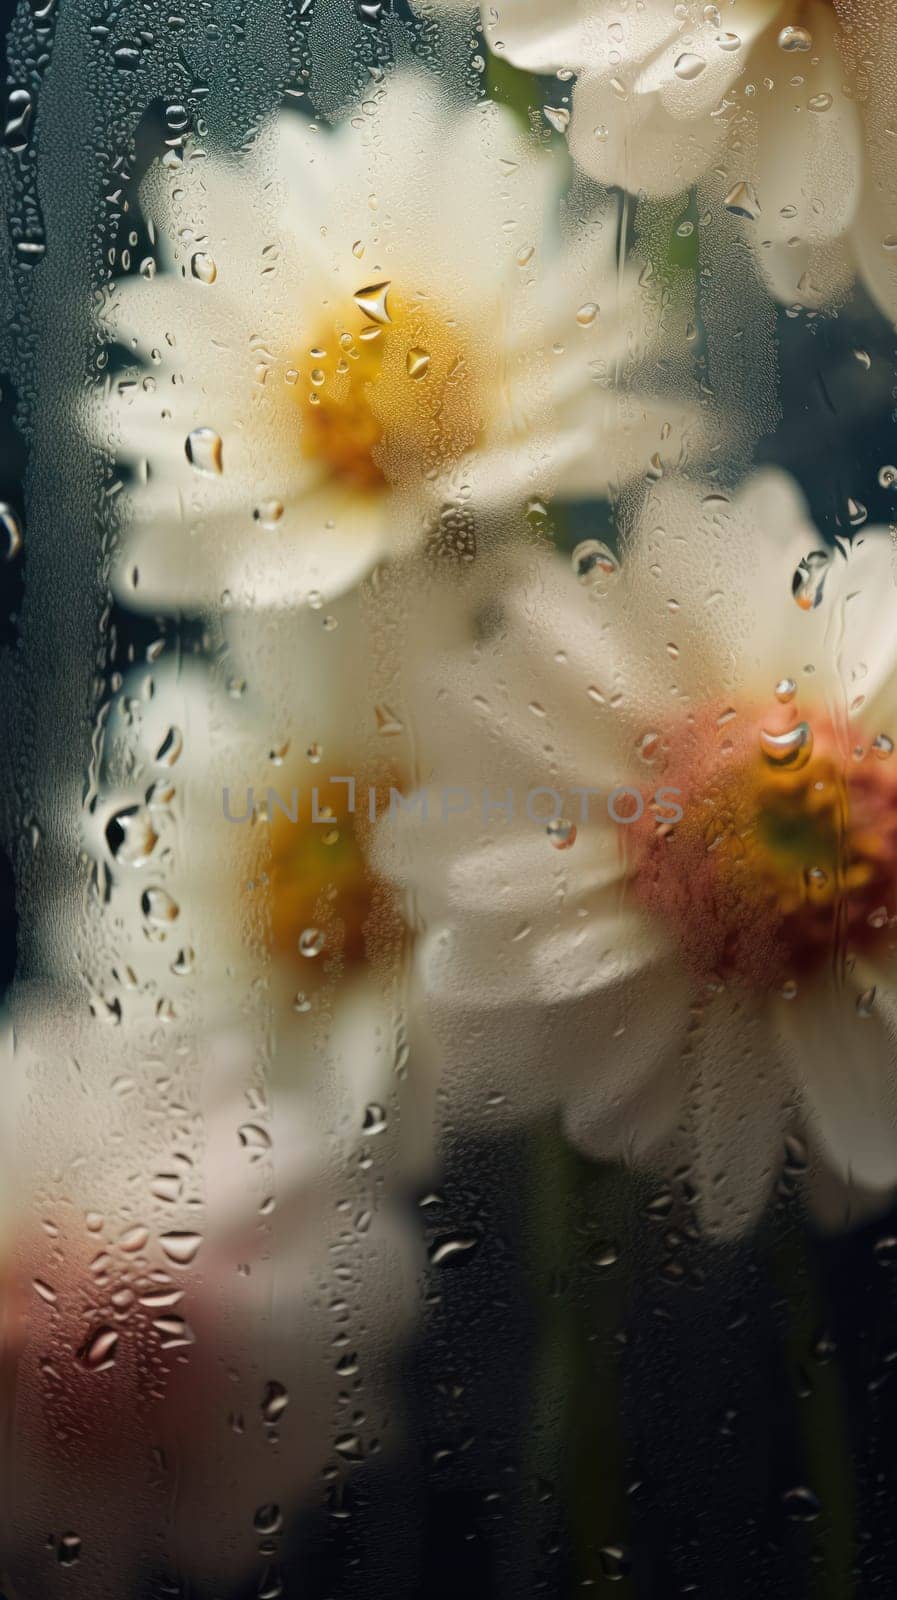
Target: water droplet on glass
131,836
388,724
417,363
68,1550
19,108
181,1248
742,201
791,749
786,689
866,1002
174,1332
374,1120
31,250
605,1256
268,513
689,66
820,102
274,1401
255,1138
451,1248
311,942
616,1564
561,833
558,117
349,1446
856,512
586,314
885,1250
374,302
882,746
268,1519
204,451
887,477
11,529
648,746
824,1348
159,908
594,562
166,1186
99,1350
809,579
170,748
133,1239
127,56
203,267
793,38
801,1504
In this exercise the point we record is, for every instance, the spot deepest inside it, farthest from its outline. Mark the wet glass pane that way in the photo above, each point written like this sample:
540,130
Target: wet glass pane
448,867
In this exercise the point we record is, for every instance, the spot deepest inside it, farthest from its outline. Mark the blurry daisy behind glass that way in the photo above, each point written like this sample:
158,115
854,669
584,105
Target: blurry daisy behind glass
363,338
705,959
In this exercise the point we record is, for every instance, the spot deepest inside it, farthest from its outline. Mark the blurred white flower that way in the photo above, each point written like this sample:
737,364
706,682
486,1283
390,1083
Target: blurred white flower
725,982
236,893
784,101
362,339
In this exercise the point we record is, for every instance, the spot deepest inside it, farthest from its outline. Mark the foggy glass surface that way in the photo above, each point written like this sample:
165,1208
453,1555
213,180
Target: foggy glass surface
449,847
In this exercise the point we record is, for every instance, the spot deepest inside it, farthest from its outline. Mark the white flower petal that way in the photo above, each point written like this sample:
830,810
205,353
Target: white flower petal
809,165
522,1020
628,1094
729,564
647,103
619,136
843,1063
874,237
810,275
323,545
188,324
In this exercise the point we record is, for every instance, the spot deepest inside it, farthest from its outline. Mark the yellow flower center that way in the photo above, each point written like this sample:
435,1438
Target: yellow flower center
786,855
389,391
322,892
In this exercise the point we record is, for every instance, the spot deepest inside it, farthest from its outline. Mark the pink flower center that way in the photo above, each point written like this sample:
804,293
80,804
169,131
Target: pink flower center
785,859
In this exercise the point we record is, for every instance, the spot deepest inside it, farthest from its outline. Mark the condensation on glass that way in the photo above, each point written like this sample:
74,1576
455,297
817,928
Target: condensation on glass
449,871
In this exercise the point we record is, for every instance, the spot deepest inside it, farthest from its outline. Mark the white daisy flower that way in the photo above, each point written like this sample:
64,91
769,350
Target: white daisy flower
686,930
362,338
233,882
783,100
